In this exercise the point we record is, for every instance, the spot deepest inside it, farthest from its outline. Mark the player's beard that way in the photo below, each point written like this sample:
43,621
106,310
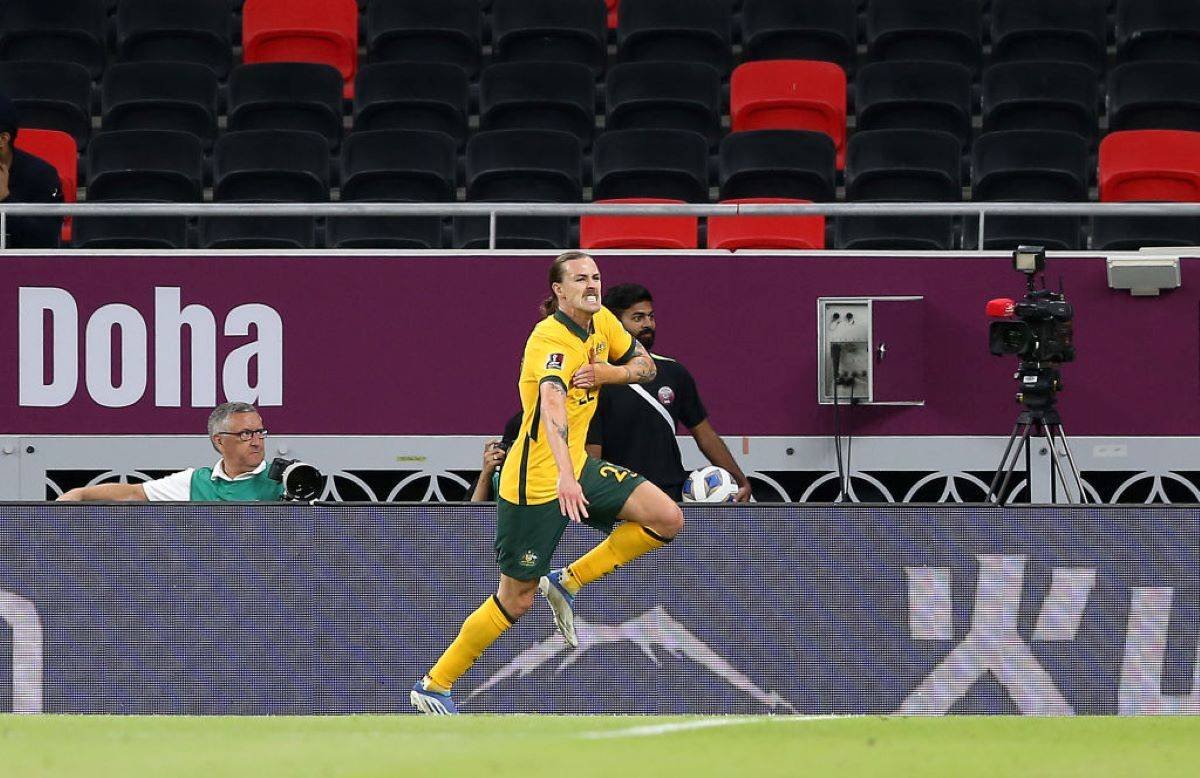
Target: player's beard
646,338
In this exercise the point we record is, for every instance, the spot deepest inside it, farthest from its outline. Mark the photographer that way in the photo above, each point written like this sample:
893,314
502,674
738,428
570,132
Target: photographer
241,474
494,453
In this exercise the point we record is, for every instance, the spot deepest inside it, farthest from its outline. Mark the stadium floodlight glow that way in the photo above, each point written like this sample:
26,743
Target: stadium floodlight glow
1030,259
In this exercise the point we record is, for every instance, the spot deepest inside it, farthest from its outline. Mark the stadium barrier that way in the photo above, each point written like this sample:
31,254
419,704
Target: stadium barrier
273,609
493,211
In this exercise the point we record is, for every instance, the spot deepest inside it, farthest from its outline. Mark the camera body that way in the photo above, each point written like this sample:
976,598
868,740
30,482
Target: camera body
301,481
1043,332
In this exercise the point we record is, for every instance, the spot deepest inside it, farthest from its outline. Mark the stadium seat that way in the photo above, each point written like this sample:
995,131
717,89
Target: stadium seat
663,164
676,31
1058,31
765,232
1148,165
1029,166
941,30
1165,30
664,95
825,30
790,95
287,96
267,166
901,166
1154,96
59,31
394,166
324,31
59,149
1041,96
50,96
160,96
141,166
550,31
784,164
446,31
915,95
412,96
195,31
532,95
539,166
638,232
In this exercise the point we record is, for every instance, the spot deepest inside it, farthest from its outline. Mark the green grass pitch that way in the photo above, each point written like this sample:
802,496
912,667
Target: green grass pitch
582,746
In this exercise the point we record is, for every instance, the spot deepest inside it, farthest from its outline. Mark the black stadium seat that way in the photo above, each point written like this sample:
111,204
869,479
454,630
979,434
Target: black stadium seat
915,95
287,96
50,96
676,31
141,166
550,31
267,166
530,95
941,30
1167,30
412,96
815,29
1033,166
665,95
1154,96
160,96
667,164
540,166
788,164
1058,31
1041,96
901,166
394,166
449,31
177,31
61,31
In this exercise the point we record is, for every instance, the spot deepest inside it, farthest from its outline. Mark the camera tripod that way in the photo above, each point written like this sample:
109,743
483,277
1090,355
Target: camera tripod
1044,424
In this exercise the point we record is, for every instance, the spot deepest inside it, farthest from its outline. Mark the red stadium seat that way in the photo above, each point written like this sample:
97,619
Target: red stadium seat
57,148
613,6
638,232
785,94
324,31
765,232
1150,165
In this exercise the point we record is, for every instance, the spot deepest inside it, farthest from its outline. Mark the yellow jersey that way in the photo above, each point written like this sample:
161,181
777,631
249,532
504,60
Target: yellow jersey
555,350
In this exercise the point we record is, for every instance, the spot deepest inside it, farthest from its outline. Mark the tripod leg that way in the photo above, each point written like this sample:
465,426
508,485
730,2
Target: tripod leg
1083,499
1001,499
1002,468
1055,465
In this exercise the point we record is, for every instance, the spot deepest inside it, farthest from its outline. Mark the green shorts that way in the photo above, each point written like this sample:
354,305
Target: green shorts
526,535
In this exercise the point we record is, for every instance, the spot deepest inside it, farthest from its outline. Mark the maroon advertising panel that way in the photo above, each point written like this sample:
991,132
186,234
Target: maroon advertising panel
430,345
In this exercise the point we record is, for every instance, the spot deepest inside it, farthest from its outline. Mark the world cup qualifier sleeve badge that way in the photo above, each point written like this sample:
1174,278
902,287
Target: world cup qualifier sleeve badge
554,361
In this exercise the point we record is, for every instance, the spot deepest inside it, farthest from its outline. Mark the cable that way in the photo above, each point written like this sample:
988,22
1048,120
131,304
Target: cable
835,352
849,446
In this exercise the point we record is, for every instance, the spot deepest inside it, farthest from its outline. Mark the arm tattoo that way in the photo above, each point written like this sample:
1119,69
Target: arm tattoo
641,368
561,430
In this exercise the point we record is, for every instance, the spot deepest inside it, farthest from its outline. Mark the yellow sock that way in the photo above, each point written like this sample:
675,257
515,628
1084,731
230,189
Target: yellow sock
479,631
626,543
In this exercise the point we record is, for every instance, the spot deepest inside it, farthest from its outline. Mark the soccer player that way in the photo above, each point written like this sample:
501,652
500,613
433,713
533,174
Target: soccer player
547,479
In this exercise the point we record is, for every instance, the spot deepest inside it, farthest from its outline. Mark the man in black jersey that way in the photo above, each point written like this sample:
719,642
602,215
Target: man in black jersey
25,178
635,426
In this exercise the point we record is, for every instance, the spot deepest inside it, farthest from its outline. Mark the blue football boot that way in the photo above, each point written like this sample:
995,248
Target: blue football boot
562,603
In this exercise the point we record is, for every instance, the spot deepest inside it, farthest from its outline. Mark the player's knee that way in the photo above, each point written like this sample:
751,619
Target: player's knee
672,521
521,602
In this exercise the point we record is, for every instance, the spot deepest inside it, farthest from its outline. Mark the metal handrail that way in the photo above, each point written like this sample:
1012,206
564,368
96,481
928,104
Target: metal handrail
494,210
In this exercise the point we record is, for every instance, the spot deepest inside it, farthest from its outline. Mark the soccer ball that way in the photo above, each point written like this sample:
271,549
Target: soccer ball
709,484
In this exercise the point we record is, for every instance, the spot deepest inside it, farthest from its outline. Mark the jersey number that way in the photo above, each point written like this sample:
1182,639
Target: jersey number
619,473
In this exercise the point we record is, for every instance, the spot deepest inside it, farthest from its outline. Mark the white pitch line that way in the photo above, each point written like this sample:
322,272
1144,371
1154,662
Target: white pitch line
684,726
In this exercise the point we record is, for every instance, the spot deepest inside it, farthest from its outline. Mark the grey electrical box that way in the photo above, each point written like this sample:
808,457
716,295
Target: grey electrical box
877,344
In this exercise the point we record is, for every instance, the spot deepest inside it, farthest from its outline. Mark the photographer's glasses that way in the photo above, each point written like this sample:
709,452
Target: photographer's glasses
246,435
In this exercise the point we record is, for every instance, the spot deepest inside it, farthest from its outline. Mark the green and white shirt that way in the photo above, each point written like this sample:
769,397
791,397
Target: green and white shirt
211,484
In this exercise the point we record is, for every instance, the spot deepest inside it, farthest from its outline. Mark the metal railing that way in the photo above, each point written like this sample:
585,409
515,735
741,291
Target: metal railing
495,210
